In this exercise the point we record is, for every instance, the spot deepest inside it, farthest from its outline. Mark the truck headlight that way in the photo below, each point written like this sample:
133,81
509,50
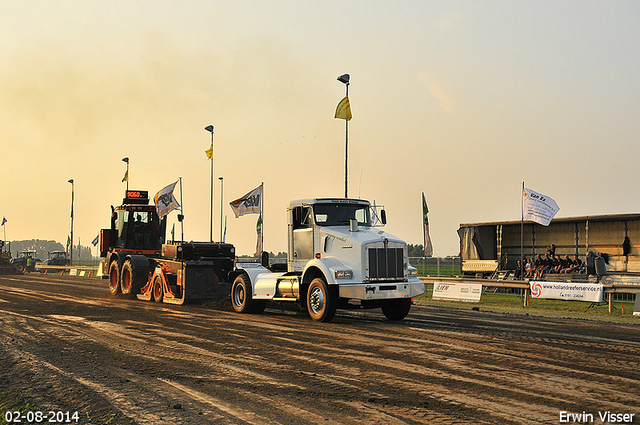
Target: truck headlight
413,272
343,274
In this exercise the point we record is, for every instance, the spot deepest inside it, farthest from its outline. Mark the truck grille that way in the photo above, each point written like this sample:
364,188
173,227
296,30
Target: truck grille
386,264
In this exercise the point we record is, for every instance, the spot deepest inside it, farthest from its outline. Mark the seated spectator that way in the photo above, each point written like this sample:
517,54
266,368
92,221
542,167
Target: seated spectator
575,266
547,266
517,273
558,264
528,268
566,264
538,265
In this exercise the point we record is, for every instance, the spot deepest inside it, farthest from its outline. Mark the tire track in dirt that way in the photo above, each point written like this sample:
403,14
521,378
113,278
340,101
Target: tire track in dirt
280,367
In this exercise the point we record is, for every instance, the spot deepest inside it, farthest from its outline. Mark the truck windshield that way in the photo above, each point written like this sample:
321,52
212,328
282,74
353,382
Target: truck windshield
340,214
140,230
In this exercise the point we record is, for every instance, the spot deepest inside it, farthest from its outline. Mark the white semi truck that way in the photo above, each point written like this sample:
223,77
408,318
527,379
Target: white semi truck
337,258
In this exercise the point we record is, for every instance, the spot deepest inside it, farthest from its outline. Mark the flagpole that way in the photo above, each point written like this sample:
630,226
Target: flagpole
72,196
522,232
211,218
424,233
262,213
346,148
344,79
209,128
221,201
181,218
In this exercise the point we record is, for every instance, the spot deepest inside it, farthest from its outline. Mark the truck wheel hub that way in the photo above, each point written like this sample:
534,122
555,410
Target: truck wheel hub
316,300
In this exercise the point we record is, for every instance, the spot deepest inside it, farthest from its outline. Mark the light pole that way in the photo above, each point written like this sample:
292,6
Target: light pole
344,78
209,128
71,246
126,174
221,200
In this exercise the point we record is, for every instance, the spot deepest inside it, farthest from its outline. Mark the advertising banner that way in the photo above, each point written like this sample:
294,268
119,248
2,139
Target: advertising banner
457,291
591,292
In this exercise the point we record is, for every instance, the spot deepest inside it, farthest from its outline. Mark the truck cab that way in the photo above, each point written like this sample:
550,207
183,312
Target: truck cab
57,258
338,257
135,227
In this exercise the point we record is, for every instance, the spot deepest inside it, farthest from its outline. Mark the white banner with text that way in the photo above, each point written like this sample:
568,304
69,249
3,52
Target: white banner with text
591,292
457,291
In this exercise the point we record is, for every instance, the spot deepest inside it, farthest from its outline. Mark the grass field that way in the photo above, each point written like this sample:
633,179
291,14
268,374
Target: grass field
514,304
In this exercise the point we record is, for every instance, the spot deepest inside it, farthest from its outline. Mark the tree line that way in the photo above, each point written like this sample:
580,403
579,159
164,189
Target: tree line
43,247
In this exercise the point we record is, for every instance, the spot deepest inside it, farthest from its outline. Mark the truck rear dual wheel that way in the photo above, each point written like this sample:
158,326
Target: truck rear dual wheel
114,278
133,278
396,309
242,296
321,301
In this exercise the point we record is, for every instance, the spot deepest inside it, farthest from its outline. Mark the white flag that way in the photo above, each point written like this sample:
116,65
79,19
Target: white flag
165,201
538,208
248,204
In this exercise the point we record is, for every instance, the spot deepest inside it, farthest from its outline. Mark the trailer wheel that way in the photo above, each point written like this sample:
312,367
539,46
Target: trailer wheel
321,301
396,309
114,278
157,292
241,296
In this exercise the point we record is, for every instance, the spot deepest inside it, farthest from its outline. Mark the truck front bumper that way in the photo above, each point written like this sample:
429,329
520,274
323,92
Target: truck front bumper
381,290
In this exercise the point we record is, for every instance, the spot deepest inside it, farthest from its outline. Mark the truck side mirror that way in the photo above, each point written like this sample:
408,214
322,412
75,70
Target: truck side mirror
383,216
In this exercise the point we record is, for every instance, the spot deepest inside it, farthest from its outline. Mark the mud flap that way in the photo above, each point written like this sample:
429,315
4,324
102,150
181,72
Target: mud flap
200,282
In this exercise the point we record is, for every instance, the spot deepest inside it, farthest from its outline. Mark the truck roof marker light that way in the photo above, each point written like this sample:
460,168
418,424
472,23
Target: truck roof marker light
317,255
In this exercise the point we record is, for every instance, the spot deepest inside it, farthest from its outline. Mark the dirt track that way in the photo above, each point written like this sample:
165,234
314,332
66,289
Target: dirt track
76,348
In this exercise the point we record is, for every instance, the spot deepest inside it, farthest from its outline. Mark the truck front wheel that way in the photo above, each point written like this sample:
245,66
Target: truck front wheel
241,296
396,309
321,302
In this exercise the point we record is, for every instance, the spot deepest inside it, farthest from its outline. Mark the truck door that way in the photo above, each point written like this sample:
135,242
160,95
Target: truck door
301,239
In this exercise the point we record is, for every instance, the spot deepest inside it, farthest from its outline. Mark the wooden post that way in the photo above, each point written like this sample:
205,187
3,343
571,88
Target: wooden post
610,302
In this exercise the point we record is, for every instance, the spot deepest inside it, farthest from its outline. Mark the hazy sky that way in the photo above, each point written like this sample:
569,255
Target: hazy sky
461,100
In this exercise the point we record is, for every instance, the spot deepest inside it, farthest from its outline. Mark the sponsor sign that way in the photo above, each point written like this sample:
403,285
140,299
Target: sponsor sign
457,291
591,292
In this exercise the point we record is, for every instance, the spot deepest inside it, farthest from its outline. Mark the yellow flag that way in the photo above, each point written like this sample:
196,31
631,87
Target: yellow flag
209,152
126,176
343,110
